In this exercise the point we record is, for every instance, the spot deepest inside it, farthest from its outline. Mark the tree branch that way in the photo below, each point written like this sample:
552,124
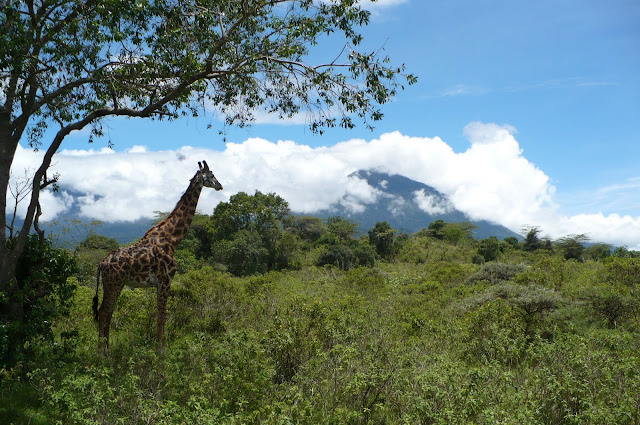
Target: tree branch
90,5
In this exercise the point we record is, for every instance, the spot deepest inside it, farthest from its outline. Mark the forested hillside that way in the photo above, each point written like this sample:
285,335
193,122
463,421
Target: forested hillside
282,319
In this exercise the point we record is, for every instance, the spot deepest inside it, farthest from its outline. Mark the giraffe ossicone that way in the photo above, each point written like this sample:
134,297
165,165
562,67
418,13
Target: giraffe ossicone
150,261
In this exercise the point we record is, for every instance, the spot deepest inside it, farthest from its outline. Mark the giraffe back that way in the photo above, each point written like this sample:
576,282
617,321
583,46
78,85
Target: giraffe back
140,265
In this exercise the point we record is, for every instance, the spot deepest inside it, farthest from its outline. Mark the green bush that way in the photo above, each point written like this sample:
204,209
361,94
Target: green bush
612,304
365,278
531,302
341,256
497,273
40,293
496,331
621,271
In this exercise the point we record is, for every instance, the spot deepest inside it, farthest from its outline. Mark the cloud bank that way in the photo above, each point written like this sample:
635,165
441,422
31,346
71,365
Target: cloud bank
491,180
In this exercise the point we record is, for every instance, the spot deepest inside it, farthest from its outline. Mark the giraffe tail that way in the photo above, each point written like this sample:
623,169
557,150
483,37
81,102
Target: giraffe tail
95,299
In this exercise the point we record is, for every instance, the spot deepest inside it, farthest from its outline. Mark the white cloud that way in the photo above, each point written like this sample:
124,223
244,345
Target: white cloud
430,203
397,206
491,179
137,149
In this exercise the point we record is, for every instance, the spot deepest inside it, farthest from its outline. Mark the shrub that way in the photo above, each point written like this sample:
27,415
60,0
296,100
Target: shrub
364,278
340,256
495,331
185,260
497,272
450,273
532,302
621,270
612,304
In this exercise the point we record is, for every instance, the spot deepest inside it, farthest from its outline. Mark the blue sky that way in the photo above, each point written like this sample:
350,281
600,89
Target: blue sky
562,76
565,74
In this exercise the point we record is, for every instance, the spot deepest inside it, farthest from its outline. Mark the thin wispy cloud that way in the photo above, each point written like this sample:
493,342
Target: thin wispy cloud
461,90
623,197
559,83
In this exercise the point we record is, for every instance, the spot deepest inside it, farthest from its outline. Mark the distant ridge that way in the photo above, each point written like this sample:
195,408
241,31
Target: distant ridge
407,205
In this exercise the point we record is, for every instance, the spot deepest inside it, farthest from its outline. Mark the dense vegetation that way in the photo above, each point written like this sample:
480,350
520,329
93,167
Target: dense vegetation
282,319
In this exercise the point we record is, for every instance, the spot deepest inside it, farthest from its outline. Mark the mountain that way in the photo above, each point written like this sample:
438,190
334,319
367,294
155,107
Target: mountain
407,205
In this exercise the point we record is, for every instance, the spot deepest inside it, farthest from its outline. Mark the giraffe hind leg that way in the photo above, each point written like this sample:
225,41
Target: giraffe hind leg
111,291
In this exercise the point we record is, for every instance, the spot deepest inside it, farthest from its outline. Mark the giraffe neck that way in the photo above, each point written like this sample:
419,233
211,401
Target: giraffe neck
174,228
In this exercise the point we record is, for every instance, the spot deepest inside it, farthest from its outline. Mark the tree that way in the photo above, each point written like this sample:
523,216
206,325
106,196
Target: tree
70,64
532,242
382,237
245,254
99,242
624,252
489,248
262,213
612,303
458,232
341,228
250,221
341,256
436,229
572,246
511,241
308,228
451,232
598,251
532,301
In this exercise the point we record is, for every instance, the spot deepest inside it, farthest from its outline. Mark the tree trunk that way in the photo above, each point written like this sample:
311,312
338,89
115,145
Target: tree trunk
14,308
8,146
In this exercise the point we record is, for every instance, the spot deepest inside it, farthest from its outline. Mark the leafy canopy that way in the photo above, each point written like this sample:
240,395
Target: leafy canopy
74,62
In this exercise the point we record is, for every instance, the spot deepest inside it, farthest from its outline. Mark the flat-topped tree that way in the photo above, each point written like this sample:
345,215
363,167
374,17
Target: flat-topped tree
149,262
68,64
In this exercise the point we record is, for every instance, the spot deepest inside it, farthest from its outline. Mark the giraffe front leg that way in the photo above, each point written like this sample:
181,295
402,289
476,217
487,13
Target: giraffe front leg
163,296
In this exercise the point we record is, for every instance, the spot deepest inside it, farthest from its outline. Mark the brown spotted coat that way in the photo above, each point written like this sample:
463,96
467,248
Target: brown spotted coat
150,261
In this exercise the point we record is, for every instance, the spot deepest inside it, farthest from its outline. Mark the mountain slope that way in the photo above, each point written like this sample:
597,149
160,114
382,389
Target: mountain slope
406,205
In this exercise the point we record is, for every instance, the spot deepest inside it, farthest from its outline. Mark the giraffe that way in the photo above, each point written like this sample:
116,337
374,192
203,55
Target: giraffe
149,262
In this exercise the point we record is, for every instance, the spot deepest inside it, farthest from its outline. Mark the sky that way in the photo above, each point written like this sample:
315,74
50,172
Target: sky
525,113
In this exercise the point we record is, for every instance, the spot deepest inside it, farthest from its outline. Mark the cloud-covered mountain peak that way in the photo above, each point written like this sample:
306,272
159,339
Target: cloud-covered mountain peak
394,183
402,191
406,204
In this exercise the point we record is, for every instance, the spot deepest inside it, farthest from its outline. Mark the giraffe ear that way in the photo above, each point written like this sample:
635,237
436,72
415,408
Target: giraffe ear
200,165
206,167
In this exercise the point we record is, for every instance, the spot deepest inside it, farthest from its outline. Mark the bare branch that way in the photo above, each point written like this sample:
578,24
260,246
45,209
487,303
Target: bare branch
19,191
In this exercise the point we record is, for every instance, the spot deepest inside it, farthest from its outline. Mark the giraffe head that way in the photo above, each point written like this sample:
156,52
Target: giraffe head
207,178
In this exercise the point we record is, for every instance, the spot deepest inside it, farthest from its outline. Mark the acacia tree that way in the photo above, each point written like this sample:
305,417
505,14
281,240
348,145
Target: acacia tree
69,64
